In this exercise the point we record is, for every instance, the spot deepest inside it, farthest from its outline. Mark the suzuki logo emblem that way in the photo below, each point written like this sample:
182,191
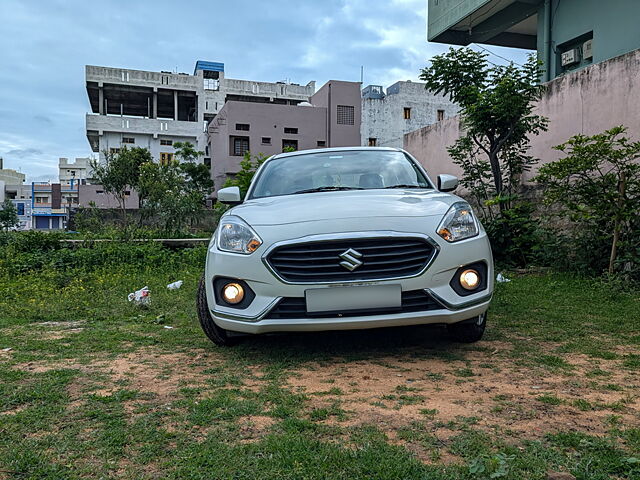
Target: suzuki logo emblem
351,259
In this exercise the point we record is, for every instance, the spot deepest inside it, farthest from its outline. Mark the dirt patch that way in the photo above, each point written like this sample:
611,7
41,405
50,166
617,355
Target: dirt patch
483,389
254,427
58,330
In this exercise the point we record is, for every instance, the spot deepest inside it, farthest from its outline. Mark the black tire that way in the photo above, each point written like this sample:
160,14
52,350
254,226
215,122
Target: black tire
217,335
468,331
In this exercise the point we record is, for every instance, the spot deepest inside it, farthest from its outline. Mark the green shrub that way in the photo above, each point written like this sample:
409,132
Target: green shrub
35,251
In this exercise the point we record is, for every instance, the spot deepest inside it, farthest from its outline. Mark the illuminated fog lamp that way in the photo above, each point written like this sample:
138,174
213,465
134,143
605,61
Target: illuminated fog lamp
233,293
470,279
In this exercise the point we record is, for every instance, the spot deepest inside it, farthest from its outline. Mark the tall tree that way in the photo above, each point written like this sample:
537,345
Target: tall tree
8,216
176,192
496,103
198,175
121,173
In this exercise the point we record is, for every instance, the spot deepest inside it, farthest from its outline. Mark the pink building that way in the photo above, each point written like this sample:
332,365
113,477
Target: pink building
331,118
587,101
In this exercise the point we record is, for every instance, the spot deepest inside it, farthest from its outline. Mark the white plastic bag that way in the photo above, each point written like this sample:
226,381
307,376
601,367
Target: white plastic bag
175,285
140,297
502,279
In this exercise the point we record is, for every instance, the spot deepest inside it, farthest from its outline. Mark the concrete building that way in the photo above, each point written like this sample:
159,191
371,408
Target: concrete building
568,34
72,175
156,109
47,208
587,101
10,176
406,106
331,118
78,171
95,196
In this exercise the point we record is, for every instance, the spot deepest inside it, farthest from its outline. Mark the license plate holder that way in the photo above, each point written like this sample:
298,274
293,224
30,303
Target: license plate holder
337,299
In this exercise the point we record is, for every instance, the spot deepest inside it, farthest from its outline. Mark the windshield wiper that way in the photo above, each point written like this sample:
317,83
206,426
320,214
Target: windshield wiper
327,189
402,185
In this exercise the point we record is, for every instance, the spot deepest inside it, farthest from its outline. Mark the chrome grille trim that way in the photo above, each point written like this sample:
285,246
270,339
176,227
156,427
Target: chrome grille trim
389,255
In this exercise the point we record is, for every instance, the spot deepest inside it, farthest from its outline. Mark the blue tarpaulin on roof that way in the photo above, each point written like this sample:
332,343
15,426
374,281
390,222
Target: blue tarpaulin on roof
208,66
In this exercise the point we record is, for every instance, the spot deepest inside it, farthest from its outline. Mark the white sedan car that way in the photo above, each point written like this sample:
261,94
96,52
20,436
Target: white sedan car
345,238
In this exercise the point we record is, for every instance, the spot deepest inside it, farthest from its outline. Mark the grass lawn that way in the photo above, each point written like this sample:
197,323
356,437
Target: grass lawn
95,387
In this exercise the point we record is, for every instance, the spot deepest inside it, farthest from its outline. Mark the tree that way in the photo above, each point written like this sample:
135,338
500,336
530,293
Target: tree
121,173
597,186
175,192
496,103
8,216
248,167
185,152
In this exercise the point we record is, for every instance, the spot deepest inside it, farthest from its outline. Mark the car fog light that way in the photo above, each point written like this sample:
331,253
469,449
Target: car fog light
470,279
233,293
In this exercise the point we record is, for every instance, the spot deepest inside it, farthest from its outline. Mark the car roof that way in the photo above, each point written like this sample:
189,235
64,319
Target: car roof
335,149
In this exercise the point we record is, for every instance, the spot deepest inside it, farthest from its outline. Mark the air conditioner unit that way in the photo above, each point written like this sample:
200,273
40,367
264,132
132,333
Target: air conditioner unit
587,49
569,57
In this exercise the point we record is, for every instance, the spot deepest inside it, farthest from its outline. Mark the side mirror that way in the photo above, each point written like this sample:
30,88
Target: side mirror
229,195
447,183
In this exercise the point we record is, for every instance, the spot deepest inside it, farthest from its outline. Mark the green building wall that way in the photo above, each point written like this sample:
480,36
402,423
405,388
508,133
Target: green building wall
613,25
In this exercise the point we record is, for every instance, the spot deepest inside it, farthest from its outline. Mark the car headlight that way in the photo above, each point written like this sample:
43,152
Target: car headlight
458,223
234,235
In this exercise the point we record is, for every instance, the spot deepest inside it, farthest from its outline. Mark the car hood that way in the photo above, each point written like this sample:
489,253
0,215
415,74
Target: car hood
320,206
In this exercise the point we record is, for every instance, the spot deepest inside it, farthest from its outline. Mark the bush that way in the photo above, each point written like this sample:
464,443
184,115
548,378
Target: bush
596,187
518,239
35,251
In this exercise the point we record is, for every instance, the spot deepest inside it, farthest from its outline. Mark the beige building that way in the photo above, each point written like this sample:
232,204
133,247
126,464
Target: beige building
10,176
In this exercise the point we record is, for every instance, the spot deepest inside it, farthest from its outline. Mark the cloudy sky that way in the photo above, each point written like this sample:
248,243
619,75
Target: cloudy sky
47,43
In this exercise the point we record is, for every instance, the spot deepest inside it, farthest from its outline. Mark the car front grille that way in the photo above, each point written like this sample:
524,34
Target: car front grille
330,261
295,307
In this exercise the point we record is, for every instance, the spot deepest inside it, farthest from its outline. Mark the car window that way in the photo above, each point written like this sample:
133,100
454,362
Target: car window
357,169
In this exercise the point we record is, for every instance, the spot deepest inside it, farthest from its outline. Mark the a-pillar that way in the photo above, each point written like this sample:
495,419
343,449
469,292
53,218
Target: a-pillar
175,105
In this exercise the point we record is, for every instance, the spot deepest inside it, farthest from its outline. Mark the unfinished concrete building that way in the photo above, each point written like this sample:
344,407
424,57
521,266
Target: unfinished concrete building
406,106
154,110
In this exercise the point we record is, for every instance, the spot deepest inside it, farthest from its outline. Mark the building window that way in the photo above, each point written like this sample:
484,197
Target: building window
291,130
266,141
211,84
242,126
114,151
166,158
128,140
99,192
407,113
42,199
346,115
322,143
440,115
166,142
239,146
289,145
373,142
207,162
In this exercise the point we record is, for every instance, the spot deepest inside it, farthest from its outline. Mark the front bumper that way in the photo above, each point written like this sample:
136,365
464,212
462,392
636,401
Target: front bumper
269,290
442,316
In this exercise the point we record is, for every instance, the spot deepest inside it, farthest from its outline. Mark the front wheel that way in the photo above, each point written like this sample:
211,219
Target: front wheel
469,331
217,335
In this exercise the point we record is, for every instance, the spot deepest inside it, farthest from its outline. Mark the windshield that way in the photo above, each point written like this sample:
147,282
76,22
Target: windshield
346,170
